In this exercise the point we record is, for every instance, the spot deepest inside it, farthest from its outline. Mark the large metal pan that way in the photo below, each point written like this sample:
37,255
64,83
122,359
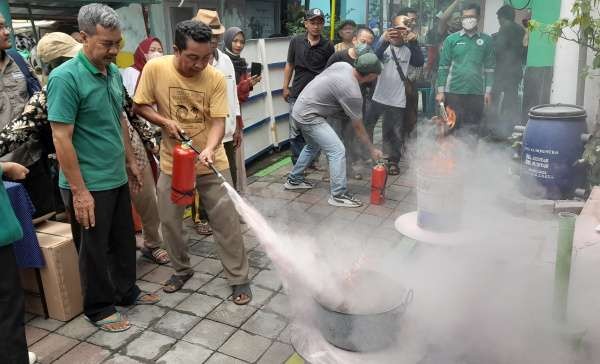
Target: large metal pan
371,321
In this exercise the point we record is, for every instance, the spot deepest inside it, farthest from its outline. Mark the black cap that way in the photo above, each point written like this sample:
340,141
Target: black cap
314,13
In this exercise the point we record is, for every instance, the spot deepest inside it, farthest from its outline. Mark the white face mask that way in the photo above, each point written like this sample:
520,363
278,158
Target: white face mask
152,55
469,23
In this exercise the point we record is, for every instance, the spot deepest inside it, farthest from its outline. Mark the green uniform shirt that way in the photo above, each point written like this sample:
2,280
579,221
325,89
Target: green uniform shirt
79,94
10,229
466,64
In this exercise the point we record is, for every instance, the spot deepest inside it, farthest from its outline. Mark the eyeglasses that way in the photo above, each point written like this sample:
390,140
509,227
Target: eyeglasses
5,28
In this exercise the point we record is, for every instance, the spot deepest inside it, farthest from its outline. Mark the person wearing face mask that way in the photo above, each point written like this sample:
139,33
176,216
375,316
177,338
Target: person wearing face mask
362,45
390,95
466,72
148,49
335,91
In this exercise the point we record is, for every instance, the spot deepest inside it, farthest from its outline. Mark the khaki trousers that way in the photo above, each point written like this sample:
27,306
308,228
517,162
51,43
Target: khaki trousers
146,205
224,221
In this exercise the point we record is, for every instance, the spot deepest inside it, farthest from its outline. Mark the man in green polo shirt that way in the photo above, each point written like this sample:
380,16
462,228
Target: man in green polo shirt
85,109
466,71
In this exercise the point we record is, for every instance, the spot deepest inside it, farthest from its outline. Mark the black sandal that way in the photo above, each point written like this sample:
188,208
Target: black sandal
175,283
239,291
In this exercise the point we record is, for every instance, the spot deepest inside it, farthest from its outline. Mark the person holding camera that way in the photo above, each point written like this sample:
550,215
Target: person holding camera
397,51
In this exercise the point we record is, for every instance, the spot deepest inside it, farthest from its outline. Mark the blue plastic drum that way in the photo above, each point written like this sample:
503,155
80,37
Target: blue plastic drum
551,145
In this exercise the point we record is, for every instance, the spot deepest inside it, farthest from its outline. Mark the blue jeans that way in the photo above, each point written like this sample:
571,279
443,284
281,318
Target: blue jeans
322,136
296,139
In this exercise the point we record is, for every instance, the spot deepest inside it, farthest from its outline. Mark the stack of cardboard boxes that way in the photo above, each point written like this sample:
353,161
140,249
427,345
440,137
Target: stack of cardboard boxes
61,285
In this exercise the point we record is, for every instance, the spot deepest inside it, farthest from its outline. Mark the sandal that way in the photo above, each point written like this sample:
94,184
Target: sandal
175,283
242,294
393,169
147,299
203,228
108,324
156,255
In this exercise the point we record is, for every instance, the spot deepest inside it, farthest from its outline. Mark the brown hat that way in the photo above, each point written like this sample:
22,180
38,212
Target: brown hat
210,18
55,45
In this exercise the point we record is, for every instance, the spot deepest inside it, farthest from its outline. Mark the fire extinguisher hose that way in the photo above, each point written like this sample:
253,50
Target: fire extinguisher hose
382,190
188,141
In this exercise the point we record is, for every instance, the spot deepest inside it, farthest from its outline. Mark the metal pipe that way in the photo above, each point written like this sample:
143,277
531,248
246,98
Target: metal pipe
562,272
33,28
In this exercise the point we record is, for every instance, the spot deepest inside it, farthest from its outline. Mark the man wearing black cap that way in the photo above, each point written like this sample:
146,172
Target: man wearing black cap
307,57
334,92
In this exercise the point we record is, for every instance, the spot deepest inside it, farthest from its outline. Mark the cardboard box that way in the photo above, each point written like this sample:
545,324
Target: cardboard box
55,228
60,278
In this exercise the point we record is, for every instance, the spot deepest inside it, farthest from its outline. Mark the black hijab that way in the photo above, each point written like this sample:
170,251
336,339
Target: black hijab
239,63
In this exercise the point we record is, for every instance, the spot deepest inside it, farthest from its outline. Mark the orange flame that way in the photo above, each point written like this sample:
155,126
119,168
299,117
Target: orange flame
442,160
451,119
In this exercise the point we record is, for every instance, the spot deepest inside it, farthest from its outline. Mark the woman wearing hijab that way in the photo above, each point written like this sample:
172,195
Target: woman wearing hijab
234,42
149,48
144,201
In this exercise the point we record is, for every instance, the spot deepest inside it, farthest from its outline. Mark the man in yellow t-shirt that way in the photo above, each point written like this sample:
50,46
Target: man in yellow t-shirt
191,96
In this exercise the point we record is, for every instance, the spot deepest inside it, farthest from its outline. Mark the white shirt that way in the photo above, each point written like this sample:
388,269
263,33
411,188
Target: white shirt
130,77
390,88
225,65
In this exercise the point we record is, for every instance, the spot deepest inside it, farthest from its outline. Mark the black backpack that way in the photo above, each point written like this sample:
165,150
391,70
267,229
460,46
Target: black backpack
33,85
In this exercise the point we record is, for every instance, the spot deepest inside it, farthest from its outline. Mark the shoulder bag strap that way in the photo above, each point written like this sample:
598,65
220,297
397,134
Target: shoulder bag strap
398,67
33,85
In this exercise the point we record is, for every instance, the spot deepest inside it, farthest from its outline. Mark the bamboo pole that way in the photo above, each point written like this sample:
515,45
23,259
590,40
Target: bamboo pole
332,21
562,272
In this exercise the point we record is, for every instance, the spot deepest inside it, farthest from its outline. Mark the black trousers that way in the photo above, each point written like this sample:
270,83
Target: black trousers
507,110
469,113
107,257
13,345
393,121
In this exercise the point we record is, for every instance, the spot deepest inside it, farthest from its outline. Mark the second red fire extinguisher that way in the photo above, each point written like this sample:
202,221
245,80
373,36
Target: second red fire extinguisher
183,181
378,181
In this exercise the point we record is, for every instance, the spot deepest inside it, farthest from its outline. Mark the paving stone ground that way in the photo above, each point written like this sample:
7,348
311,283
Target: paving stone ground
200,324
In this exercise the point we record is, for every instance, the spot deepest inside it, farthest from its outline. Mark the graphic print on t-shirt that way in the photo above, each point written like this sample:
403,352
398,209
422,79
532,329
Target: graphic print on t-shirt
187,106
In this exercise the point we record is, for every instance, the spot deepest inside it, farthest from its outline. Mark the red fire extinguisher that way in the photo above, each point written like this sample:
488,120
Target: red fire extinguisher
183,182
378,181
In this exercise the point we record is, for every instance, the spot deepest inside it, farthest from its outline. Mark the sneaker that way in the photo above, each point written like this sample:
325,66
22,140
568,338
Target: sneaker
344,200
293,185
32,358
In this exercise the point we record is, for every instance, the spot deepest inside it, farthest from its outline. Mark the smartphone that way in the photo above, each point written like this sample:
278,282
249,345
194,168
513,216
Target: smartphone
255,69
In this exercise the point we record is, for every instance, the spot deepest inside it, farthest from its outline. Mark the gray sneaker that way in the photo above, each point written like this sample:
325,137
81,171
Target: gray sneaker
293,185
344,200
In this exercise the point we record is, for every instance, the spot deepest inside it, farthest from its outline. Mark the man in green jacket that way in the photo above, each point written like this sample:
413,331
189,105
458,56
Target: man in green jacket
466,71
13,345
